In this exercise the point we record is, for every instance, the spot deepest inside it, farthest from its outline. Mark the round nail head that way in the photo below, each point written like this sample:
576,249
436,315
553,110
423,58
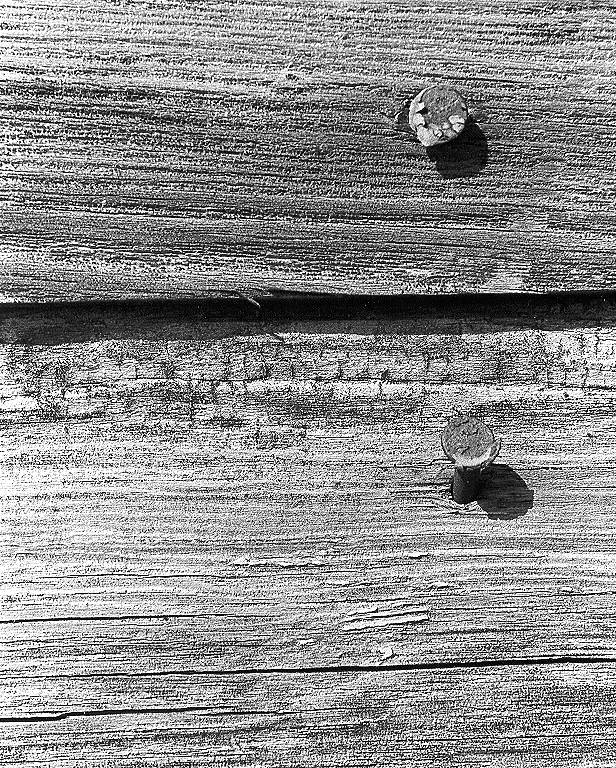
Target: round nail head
437,115
469,443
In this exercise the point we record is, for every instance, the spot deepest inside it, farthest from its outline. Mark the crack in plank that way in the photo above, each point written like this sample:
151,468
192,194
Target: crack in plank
530,661
210,711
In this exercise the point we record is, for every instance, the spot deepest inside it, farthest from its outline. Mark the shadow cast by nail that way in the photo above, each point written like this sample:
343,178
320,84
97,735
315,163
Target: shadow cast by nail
504,495
465,156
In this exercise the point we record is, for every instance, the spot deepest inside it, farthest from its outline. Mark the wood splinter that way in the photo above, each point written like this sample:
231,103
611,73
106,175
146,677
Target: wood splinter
472,447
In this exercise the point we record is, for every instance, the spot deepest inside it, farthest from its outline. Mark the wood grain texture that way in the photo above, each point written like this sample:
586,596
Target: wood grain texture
535,716
183,148
228,539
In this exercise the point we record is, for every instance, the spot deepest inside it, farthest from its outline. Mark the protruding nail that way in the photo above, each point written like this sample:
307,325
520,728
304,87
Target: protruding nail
472,447
440,105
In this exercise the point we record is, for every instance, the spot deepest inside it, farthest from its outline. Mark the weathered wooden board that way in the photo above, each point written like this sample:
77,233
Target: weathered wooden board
227,539
562,715
182,148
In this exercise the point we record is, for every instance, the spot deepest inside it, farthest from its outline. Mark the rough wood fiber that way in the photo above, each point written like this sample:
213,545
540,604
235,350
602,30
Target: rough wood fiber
179,148
253,515
562,715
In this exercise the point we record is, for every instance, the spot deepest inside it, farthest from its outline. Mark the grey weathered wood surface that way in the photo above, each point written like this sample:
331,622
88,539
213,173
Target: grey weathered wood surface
561,715
227,539
182,148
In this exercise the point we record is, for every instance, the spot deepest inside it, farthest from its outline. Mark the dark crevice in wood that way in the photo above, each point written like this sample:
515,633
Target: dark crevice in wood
128,575
126,617
531,661
66,323
211,711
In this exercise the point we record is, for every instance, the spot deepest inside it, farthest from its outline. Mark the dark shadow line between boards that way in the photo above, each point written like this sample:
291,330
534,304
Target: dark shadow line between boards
55,323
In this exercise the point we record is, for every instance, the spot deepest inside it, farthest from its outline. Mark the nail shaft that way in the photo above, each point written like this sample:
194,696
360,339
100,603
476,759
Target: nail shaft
465,485
472,447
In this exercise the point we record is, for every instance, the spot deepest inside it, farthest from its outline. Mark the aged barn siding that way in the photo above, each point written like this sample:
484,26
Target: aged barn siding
178,148
228,539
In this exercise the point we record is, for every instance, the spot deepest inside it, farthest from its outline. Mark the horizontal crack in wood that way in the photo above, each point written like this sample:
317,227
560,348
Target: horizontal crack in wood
341,668
212,711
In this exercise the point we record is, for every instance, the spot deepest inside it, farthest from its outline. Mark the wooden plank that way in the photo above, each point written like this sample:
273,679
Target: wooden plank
189,493
560,715
190,148
227,539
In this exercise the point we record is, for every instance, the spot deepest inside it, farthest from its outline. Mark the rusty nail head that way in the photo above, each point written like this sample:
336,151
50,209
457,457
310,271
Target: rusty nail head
437,115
